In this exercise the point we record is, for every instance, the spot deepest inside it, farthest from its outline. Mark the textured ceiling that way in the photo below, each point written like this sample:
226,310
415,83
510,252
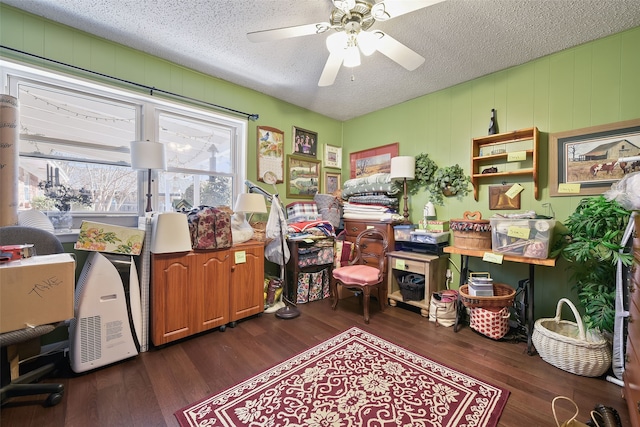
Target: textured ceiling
460,39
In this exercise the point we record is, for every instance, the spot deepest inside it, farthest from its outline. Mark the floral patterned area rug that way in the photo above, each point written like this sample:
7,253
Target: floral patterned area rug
353,379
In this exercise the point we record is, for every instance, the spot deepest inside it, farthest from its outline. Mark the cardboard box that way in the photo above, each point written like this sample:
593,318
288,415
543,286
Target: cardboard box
99,237
436,226
36,291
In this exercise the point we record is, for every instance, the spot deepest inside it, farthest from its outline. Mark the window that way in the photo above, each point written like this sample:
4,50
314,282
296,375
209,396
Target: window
74,142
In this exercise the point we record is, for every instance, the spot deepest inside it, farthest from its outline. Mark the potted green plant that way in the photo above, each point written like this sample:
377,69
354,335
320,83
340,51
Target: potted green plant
448,181
425,169
592,245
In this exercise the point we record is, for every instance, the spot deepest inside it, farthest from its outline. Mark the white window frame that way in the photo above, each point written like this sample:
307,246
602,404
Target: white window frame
12,72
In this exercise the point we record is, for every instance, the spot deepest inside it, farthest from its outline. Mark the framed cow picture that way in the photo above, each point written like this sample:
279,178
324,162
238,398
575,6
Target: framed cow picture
587,161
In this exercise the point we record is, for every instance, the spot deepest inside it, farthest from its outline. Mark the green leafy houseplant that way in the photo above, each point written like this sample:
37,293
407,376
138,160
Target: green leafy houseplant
592,245
425,168
448,181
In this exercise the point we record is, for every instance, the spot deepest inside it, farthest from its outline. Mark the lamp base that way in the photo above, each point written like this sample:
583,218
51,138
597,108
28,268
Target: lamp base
288,312
275,307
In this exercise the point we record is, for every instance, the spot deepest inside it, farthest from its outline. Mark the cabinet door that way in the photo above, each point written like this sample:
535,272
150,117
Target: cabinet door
247,281
212,302
172,290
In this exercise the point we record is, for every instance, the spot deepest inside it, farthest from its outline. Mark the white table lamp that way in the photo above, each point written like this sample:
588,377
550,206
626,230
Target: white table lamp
170,233
404,167
148,155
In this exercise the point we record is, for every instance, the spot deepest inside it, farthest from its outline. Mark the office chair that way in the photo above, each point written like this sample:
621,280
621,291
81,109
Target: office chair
45,243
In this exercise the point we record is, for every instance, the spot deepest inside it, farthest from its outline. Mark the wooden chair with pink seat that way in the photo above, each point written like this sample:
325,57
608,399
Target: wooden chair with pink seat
366,271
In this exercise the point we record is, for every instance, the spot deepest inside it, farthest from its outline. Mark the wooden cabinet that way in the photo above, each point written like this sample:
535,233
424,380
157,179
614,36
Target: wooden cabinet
246,281
432,267
511,154
200,290
631,374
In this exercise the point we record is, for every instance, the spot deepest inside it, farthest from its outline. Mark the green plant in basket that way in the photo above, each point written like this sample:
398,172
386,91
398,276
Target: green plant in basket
448,181
592,245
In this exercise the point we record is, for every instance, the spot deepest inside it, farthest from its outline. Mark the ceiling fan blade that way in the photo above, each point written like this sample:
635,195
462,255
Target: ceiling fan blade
331,68
288,32
392,8
398,52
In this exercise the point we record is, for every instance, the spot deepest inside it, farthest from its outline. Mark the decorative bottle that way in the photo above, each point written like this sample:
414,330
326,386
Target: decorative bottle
493,123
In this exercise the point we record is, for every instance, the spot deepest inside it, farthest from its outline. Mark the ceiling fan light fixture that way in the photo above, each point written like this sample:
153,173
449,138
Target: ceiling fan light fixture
379,12
344,5
352,57
336,42
367,42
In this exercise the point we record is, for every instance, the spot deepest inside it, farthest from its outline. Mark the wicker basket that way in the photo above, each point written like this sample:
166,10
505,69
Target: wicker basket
412,287
259,231
472,232
502,297
567,346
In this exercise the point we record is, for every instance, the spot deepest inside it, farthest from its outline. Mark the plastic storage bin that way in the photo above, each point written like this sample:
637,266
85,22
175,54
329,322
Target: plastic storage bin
421,236
403,232
528,238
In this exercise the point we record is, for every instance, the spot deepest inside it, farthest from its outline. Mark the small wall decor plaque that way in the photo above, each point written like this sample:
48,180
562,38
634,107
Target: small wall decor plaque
499,200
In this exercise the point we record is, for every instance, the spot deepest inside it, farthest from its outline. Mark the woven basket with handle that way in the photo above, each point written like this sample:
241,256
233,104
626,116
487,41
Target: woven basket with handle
566,344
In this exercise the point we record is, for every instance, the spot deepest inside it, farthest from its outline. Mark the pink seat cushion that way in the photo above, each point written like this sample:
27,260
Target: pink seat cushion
356,275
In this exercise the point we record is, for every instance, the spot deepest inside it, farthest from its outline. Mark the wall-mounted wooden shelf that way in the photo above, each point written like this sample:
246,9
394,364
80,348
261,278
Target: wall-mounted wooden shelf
503,146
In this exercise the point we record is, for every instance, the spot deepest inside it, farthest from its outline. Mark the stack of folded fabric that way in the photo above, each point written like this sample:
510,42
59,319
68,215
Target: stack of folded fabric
363,211
318,229
373,197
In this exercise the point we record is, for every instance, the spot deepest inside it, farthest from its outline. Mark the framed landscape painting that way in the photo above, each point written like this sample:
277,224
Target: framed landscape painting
303,177
375,160
587,161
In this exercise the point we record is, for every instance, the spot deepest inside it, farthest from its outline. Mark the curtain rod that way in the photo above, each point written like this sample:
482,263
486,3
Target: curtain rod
151,89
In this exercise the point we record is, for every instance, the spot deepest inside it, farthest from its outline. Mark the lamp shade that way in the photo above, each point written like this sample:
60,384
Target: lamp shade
248,202
148,155
170,233
403,167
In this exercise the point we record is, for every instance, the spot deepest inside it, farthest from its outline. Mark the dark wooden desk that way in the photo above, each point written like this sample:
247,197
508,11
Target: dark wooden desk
532,262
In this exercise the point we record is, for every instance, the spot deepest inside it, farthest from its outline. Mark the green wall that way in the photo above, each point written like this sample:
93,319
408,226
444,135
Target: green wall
35,35
592,84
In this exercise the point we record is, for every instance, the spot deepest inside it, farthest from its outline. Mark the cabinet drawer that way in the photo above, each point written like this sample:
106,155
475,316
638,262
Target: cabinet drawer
409,265
353,228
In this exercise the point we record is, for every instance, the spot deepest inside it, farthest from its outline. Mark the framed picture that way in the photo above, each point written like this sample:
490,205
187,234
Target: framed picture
498,198
332,182
375,160
303,177
270,152
305,142
332,156
587,161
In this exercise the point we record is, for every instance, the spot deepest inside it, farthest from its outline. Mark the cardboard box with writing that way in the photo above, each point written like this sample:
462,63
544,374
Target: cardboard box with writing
36,291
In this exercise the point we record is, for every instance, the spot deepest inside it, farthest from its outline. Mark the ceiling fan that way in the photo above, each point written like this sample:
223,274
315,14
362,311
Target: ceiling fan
351,19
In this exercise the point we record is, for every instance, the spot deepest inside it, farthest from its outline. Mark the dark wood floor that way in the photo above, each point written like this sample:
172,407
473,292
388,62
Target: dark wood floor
148,389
